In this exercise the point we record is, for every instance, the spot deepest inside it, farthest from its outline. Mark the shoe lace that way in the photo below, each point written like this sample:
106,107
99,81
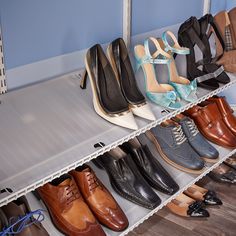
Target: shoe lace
192,127
93,181
72,193
18,224
179,135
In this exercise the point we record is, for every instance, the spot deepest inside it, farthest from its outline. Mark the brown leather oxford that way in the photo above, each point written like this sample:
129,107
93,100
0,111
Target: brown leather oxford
99,199
209,121
68,210
226,111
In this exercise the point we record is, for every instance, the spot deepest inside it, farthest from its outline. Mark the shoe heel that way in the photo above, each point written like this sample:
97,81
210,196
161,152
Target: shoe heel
36,194
83,81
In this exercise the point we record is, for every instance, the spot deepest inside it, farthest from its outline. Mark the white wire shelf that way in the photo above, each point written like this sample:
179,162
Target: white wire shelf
50,128
136,214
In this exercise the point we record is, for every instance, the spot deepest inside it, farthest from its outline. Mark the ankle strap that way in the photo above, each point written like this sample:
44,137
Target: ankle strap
176,47
159,57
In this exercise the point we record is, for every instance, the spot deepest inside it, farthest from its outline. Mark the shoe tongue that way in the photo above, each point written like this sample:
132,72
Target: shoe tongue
66,182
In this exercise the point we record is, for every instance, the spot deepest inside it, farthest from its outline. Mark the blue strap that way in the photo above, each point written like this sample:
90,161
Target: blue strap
148,59
20,223
182,51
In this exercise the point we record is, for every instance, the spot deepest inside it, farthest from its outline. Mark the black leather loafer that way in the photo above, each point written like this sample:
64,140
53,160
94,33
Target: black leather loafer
149,166
126,179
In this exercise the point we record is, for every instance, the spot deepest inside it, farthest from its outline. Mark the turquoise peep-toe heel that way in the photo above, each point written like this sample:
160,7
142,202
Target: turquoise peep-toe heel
161,94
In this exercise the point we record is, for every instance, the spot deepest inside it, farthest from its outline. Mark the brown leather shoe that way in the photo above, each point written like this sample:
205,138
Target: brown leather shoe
232,18
18,212
226,24
99,199
68,211
226,111
209,121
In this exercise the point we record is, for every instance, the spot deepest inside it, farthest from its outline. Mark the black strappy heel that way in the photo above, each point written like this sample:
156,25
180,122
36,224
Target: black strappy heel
211,66
207,73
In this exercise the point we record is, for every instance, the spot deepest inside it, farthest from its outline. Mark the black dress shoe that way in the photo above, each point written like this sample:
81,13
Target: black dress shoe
223,174
211,199
149,166
126,179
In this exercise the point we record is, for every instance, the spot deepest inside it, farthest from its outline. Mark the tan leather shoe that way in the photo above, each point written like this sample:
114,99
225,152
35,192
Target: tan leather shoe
226,111
99,199
210,123
185,206
226,24
232,18
18,215
68,211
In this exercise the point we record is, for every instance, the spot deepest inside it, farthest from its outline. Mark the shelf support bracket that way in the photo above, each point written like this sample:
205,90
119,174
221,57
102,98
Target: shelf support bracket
127,21
206,7
3,84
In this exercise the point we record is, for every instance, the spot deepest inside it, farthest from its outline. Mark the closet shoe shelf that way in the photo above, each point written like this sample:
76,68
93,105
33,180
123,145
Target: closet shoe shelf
50,128
136,214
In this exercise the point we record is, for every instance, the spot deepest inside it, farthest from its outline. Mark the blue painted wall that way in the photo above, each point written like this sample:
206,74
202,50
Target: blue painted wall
34,30
153,14
217,5
230,4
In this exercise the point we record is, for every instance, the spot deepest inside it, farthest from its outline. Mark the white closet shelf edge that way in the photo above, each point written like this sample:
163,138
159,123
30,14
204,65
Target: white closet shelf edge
52,129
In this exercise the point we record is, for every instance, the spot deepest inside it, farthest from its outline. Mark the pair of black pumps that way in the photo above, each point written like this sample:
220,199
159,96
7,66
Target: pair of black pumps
194,32
116,96
133,172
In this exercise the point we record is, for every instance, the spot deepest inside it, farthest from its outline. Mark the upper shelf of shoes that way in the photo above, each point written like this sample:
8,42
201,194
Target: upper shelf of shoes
50,128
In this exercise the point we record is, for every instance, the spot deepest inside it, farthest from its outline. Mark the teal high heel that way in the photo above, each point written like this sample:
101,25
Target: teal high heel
186,89
161,94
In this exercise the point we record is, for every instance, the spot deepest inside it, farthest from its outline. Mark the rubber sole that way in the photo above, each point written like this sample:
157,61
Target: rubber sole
179,167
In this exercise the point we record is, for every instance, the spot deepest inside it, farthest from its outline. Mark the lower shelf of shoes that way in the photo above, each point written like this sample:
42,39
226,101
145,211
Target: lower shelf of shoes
50,128
137,214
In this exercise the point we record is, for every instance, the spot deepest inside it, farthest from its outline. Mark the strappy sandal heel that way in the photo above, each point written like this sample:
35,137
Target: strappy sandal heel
210,63
161,94
108,100
120,62
189,36
186,89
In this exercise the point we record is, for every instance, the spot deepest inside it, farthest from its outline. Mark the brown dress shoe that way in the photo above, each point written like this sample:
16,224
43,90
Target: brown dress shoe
210,123
226,111
99,199
68,211
18,212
